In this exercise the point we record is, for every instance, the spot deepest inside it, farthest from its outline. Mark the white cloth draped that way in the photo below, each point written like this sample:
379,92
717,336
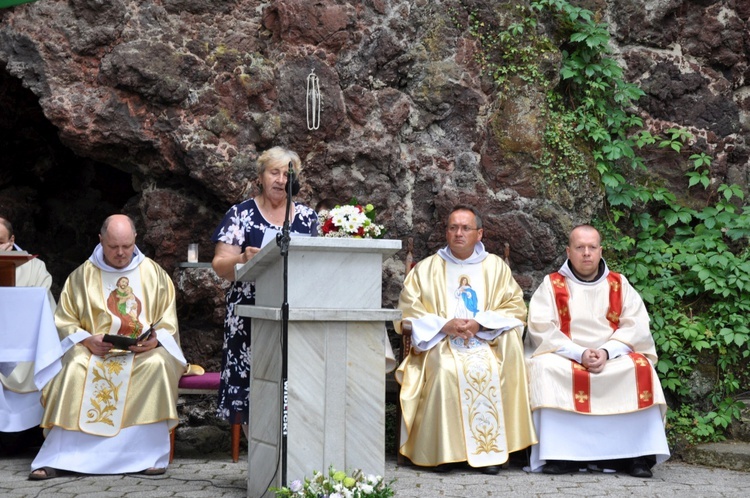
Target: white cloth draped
135,449
575,437
29,356
28,332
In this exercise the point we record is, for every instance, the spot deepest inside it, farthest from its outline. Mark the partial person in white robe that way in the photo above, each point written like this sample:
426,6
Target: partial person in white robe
463,391
596,398
20,407
34,272
110,411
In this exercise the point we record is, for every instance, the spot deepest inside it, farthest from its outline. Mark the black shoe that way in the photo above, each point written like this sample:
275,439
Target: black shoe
442,468
560,467
492,470
640,468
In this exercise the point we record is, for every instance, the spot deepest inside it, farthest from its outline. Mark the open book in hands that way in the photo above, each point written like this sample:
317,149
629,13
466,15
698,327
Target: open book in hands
125,341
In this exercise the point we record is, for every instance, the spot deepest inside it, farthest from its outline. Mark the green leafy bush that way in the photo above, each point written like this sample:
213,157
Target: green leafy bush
691,264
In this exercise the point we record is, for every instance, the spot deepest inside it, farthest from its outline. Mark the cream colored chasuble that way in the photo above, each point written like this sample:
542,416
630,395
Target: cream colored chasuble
477,371
108,377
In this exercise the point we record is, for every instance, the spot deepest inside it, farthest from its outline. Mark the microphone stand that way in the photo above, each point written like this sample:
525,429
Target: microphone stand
282,240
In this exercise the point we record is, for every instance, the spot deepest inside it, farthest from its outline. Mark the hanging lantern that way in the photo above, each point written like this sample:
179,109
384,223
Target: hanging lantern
313,101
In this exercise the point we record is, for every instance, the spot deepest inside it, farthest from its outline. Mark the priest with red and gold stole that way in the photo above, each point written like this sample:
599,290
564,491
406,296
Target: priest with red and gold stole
596,398
110,411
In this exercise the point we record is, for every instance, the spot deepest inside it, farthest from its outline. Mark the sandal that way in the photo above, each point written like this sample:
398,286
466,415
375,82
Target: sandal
49,473
154,471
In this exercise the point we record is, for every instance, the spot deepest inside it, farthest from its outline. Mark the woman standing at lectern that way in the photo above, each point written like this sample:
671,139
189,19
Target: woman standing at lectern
246,227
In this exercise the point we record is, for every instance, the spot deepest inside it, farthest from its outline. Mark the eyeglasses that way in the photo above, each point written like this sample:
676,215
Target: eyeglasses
463,228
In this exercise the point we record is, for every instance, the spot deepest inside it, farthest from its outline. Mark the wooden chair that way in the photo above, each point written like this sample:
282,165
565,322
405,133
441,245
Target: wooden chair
403,351
206,384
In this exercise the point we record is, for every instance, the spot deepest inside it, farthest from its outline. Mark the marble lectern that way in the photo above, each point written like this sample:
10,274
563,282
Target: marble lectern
336,358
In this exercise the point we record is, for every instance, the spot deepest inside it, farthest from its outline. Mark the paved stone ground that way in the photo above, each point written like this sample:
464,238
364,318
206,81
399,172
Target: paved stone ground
213,476
671,479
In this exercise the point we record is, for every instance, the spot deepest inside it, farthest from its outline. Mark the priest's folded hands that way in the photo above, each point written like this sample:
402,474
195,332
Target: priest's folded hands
461,327
594,359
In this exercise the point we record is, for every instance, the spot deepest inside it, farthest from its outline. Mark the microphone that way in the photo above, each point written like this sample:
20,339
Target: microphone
292,177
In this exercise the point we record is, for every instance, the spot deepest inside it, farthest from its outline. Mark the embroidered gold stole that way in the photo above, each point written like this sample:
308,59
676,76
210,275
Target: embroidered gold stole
105,391
481,402
476,371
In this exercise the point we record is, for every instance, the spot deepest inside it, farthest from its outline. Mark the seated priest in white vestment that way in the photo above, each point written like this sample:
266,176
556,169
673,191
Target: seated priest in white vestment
596,398
110,411
20,409
464,392
34,272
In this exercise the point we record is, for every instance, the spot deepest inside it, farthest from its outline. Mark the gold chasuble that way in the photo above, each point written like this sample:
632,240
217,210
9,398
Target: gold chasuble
102,395
463,400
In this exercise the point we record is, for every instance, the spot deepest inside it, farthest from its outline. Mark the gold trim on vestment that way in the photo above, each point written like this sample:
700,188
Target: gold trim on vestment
103,401
481,402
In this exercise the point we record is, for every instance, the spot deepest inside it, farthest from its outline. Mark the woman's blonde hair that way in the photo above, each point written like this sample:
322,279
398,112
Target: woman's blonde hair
279,155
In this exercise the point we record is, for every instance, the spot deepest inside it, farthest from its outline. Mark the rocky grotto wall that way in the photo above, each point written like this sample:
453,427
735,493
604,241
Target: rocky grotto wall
158,108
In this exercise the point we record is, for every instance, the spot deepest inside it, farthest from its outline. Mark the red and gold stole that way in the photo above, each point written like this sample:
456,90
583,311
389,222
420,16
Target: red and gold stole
581,376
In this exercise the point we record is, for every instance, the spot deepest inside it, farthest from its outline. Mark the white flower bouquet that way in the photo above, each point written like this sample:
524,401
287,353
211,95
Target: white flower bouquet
337,484
351,220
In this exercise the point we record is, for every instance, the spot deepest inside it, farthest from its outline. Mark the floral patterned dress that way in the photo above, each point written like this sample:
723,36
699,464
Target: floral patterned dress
244,226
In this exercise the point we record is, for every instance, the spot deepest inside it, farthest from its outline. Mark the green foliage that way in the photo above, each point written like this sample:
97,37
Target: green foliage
563,156
515,51
518,52
691,264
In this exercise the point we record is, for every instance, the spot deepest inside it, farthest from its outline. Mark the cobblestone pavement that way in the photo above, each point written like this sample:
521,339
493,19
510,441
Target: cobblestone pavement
216,476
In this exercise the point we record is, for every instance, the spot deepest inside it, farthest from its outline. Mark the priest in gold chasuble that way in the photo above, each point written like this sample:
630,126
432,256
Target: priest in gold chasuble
463,386
596,398
110,411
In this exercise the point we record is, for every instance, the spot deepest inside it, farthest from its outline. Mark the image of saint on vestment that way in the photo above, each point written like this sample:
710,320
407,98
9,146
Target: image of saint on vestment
468,302
123,304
